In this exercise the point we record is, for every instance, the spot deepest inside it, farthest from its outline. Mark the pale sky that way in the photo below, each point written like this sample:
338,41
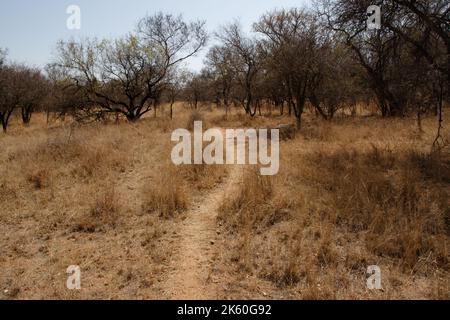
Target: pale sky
31,28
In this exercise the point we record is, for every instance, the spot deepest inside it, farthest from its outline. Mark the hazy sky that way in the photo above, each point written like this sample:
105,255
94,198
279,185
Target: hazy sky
31,28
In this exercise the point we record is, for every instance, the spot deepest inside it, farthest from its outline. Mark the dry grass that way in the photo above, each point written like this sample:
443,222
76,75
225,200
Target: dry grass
166,196
193,117
350,193
384,195
172,188
252,206
203,177
72,195
104,213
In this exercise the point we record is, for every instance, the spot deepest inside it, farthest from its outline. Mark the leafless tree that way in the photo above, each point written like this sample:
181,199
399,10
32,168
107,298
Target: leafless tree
20,87
292,42
32,89
127,75
197,88
411,32
64,98
7,98
221,63
246,61
3,53
176,82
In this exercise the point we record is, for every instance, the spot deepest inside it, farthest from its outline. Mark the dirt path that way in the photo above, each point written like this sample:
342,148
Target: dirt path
190,270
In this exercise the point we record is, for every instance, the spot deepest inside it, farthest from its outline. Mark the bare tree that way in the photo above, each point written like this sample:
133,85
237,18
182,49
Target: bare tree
3,81
292,41
175,84
197,88
3,53
127,75
64,98
5,108
220,62
246,61
411,31
21,88
431,19
7,102
32,90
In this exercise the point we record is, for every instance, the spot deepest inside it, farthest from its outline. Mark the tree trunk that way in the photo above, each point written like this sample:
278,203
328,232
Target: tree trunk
4,125
26,115
4,118
419,120
131,117
299,122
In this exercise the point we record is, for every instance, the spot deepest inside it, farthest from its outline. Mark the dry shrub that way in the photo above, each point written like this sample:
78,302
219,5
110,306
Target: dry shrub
317,288
154,231
434,165
347,209
290,254
440,289
99,160
326,254
202,176
282,261
77,157
250,205
383,194
166,195
248,215
221,120
248,121
104,213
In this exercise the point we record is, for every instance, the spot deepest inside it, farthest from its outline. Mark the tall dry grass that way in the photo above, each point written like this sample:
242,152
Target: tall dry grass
166,195
350,193
72,195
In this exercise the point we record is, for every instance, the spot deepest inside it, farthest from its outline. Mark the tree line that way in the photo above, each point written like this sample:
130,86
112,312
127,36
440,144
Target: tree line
323,58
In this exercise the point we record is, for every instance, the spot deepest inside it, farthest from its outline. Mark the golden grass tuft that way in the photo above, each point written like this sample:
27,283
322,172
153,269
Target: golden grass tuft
383,194
103,213
251,205
166,195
